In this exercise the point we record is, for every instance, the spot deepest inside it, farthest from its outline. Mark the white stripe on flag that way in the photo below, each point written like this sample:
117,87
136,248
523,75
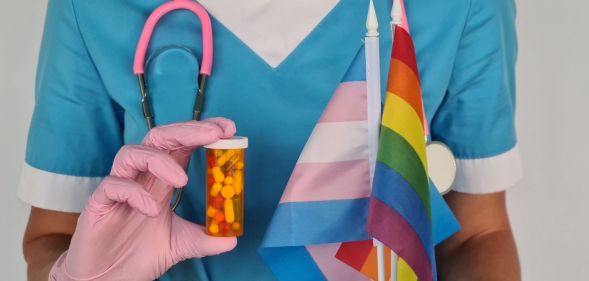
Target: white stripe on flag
336,142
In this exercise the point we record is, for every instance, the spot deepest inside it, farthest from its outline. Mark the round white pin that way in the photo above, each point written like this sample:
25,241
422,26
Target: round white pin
441,166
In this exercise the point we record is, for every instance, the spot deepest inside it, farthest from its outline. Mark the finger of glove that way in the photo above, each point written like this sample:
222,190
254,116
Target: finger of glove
120,190
186,135
135,159
191,241
225,124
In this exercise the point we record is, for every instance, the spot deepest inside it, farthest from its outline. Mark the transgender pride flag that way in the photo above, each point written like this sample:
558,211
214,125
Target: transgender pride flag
326,199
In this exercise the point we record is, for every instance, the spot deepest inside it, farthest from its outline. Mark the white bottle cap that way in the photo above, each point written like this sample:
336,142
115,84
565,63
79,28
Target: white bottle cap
235,142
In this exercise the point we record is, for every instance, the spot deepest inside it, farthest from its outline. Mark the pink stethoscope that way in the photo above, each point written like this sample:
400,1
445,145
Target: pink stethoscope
207,57
205,69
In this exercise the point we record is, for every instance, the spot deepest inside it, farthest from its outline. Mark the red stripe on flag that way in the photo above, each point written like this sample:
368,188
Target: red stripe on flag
404,50
391,229
354,253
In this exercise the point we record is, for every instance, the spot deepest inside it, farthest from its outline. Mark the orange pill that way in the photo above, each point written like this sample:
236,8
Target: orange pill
219,217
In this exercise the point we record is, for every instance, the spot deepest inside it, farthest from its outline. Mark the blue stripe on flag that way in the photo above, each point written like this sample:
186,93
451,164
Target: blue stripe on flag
357,71
444,224
393,190
291,263
317,222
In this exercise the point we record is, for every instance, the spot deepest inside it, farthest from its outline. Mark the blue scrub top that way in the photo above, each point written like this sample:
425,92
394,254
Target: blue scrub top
88,104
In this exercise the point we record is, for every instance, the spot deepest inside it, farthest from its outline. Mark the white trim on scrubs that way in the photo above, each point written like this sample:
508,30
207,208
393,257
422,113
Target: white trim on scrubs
54,191
490,174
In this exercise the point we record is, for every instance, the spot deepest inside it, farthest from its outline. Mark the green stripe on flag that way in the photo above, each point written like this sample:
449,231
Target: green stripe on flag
395,152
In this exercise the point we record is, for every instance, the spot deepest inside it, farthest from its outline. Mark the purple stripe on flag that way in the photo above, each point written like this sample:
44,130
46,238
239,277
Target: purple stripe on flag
328,181
348,103
391,229
332,268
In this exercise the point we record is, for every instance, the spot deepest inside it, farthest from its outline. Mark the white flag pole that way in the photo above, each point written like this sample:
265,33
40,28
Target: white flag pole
371,44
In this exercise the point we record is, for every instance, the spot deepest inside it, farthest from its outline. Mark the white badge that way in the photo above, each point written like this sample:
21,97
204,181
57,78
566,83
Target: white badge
441,166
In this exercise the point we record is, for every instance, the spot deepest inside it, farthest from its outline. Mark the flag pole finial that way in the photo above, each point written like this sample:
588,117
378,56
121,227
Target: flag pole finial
371,22
397,13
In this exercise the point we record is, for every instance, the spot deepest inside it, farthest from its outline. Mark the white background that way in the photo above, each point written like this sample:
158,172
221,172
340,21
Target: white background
549,209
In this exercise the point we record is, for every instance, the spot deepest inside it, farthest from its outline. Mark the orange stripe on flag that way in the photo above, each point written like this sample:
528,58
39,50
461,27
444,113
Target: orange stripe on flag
370,268
404,83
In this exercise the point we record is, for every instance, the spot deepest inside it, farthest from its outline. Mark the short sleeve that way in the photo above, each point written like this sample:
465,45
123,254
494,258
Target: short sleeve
476,119
75,129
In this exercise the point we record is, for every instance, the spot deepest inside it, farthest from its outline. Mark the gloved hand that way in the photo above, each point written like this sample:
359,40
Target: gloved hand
127,230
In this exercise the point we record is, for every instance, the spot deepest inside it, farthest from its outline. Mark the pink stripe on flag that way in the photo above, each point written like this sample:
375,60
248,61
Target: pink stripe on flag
332,268
391,229
328,181
348,103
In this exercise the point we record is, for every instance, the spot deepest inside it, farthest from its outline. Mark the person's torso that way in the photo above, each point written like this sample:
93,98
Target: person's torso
276,65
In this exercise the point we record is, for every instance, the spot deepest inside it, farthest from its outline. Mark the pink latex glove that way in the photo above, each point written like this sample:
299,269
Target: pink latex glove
127,230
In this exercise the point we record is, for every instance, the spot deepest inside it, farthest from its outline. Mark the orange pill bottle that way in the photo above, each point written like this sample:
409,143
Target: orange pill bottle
225,186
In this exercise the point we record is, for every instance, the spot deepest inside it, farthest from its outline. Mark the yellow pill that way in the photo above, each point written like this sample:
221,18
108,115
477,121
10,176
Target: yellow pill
211,212
228,180
218,174
228,191
229,213
236,226
214,227
226,157
239,165
222,160
215,189
238,182
230,153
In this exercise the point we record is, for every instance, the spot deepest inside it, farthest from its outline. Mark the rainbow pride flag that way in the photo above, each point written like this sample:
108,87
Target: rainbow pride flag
400,213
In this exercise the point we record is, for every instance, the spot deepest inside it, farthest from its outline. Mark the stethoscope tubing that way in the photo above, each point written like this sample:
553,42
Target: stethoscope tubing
205,68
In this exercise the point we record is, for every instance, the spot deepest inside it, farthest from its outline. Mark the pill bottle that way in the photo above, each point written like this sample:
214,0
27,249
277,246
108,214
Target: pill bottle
225,186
